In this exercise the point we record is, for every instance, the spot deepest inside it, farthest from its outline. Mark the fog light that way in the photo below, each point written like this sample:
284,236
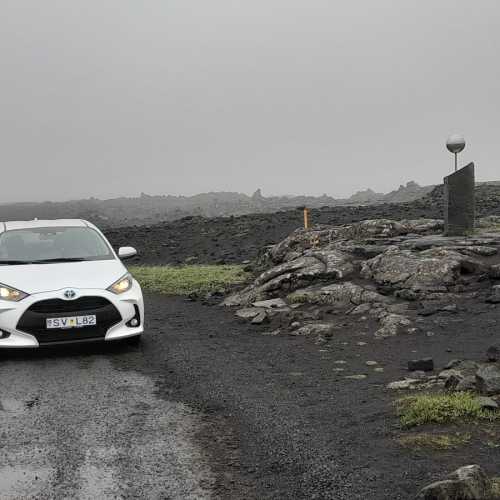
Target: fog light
136,320
4,335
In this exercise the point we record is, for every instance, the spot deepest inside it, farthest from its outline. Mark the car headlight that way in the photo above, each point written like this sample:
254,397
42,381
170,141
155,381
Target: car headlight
12,294
122,285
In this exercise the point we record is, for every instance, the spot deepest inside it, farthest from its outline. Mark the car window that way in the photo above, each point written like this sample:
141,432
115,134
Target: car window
53,243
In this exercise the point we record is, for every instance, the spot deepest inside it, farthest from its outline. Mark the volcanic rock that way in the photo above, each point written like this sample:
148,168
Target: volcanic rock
482,250
391,324
467,483
495,271
430,270
494,297
271,303
487,403
338,295
323,329
425,365
493,354
248,312
260,318
318,273
294,274
459,375
488,380
407,383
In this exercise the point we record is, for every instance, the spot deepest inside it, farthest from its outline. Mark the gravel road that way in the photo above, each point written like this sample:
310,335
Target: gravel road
209,407
77,425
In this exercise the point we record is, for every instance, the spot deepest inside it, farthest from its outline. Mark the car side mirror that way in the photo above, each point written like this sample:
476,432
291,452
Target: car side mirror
126,252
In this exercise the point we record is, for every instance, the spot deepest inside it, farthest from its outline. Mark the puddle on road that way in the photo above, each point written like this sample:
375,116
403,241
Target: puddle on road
11,405
98,480
13,480
95,432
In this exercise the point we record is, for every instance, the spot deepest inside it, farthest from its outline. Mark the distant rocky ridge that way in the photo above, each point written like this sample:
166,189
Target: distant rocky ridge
148,209
236,239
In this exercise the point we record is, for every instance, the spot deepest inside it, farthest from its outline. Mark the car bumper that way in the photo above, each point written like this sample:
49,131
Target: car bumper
15,334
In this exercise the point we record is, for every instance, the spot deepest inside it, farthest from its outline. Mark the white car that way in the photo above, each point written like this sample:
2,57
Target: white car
61,282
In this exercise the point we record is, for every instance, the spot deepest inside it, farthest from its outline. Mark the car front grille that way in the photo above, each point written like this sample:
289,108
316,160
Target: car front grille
81,304
34,319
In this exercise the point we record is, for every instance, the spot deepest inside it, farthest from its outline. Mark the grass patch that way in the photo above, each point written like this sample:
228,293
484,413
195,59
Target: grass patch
298,298
434,441
490,224
494,228
441,409
186,280
495,490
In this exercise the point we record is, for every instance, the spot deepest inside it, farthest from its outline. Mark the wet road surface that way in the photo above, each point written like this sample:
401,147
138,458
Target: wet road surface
78,426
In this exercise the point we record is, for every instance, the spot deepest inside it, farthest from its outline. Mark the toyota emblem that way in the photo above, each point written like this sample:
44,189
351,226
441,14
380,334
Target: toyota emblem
69,294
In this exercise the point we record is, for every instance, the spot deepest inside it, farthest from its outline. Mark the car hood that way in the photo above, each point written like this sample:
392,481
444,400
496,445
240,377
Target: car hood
36,278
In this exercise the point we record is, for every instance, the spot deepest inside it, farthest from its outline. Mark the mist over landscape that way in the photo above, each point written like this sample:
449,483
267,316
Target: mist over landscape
249,250
147,209
173,98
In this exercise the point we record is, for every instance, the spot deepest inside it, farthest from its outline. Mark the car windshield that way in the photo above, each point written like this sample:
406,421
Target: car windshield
45,245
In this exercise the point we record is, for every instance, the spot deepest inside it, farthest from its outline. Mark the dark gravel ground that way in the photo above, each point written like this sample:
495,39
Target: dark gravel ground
292,426
209,407
236,239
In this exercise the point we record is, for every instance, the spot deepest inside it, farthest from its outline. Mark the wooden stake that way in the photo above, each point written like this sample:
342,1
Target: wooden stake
306,218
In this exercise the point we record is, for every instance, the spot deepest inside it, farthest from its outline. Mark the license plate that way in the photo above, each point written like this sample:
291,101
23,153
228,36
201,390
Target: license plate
71,322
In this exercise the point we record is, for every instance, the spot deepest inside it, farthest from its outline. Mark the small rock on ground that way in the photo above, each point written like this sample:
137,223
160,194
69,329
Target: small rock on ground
425,365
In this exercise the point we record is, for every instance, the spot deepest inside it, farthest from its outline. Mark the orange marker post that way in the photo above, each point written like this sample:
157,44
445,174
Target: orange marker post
306,218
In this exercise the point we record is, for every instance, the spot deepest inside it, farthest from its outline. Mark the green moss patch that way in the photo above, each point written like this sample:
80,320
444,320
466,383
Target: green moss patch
186,280
441,409
426,440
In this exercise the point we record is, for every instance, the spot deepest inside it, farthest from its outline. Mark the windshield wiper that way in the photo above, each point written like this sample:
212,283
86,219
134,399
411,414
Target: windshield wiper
41,261
14,262
59,259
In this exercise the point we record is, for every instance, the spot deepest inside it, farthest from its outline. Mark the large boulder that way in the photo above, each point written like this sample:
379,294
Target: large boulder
291,275
488,380
460,375
433,270
467,483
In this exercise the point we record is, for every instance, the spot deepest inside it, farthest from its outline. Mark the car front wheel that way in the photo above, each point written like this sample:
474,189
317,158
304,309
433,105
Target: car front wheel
135,340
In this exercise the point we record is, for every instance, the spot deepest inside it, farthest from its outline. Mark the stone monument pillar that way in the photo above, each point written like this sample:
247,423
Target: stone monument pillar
459,202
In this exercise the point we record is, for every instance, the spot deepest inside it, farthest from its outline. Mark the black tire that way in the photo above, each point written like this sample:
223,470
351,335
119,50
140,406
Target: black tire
133,341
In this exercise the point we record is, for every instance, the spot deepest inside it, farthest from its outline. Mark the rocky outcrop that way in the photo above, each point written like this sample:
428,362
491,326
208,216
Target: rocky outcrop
293,274
433,270
467,483
373,268
409,192
458,376
365,232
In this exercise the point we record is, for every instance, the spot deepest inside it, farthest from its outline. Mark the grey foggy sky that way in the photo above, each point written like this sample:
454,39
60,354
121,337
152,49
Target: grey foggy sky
113,97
